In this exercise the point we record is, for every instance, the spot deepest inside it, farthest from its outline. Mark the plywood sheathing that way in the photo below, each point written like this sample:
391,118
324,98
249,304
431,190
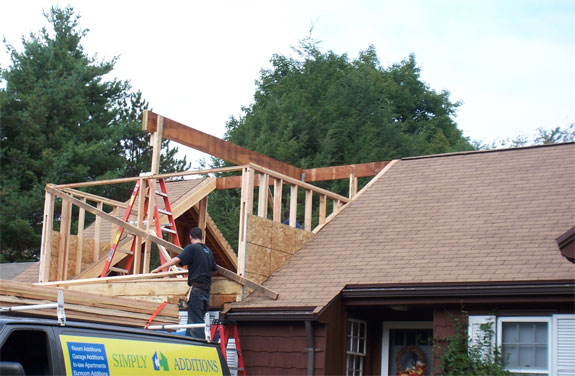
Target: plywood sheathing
269,245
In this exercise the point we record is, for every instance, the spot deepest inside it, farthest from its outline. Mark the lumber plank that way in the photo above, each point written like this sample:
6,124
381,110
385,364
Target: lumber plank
318,174
28,290
263,195
98,221
246,208
194,196
246,282
158,176
342,172
308,209
293,206
46,250
277,208
80,242
214,146
95,198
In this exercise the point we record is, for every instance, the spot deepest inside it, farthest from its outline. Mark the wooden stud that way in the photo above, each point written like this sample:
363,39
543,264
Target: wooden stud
263,196
156,141
113,228
293,206
322,209
352,185
149,224
64,244
137,264
97,226
277,210
80,243
202,216
308,209
246,207
46,250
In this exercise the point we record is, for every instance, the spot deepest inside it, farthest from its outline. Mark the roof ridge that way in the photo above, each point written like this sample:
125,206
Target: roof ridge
484,151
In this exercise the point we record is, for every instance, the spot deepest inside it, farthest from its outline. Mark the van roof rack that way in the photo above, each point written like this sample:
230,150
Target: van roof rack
59,305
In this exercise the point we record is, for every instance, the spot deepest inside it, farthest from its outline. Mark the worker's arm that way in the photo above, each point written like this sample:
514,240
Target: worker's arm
167,264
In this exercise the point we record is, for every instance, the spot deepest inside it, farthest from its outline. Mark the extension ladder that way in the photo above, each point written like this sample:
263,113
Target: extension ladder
225,330
170,228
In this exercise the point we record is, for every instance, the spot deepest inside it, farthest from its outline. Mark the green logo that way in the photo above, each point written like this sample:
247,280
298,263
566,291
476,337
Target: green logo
160,362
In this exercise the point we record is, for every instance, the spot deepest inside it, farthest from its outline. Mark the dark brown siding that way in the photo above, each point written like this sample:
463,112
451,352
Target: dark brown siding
279,348
335,319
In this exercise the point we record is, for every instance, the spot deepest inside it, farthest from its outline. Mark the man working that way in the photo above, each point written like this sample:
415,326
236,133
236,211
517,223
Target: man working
200,261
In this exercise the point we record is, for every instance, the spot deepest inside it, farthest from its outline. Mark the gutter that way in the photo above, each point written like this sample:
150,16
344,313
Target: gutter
275,315
466,290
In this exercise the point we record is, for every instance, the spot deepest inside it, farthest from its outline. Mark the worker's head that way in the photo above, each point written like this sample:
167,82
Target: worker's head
196,233
286,214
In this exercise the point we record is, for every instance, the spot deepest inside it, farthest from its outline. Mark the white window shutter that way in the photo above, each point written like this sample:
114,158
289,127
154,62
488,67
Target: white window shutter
476,335
564,345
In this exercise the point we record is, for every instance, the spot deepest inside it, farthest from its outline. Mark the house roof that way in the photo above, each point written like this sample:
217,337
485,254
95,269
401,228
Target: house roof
473,217
18,270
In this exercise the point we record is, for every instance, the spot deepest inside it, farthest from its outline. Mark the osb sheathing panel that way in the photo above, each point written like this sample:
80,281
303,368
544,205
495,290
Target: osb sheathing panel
87,254
269,245
260,231
278,258
258,260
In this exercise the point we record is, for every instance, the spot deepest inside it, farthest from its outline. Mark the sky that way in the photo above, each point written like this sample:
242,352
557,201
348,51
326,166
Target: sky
511,63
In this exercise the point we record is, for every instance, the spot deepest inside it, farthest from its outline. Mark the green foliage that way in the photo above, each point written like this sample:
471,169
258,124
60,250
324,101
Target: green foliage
323,109
62,121
458,357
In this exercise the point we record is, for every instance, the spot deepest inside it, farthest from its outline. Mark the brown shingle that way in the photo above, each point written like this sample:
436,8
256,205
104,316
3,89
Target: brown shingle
467,217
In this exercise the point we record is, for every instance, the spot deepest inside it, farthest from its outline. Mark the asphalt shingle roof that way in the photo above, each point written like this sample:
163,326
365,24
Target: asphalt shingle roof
468,217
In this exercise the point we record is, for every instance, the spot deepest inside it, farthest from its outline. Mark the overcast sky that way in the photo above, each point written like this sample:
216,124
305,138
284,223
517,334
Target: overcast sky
511,63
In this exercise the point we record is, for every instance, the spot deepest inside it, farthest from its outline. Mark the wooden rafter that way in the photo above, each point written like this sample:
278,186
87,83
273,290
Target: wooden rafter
172,130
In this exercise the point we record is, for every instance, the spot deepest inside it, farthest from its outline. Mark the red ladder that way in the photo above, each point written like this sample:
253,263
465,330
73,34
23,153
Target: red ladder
224,330
170,228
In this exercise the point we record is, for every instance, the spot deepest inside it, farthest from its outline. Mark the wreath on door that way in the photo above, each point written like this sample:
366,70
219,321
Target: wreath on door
418,360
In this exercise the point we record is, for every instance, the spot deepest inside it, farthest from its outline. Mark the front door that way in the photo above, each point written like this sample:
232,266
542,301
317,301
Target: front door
407,348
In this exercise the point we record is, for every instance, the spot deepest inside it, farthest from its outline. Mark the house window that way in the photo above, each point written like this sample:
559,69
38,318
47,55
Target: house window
355,348
525,344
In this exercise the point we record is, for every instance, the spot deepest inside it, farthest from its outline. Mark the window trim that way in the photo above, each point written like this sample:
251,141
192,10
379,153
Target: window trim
363,354
550,350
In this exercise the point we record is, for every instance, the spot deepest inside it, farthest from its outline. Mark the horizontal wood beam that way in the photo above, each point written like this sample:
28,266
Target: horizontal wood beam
149,177
317,174
172,130
95,198
343,172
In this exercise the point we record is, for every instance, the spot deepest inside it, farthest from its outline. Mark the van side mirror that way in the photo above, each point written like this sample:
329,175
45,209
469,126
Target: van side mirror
11,368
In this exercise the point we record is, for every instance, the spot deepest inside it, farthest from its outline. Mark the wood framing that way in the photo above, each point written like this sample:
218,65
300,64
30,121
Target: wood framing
172,130
246,208
48,220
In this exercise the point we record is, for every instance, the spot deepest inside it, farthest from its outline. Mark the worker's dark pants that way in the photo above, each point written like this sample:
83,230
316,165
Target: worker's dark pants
197,308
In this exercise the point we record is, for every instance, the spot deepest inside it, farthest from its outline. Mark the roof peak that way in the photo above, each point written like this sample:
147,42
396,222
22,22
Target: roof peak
485,151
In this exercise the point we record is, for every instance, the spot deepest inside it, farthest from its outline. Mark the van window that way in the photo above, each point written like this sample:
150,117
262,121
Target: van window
29,348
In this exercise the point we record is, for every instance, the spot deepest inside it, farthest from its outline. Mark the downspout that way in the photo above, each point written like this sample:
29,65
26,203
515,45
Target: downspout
310,348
